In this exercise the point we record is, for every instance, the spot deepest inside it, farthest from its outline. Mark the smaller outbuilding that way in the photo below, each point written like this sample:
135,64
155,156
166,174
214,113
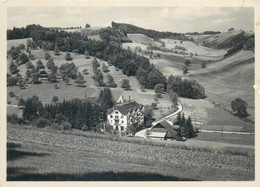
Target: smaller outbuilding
164,130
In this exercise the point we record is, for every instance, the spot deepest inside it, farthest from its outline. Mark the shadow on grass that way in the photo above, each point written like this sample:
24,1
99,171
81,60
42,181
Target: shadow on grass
13,154
11,145
103,176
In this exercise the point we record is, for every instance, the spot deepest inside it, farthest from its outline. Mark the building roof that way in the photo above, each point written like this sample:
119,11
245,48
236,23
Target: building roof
124,108
165,127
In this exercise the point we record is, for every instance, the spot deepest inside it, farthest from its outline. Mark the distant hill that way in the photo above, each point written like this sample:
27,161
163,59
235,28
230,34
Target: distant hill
223,40
131,29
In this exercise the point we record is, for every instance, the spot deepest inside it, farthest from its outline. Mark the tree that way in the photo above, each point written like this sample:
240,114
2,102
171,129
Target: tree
80,80
59,118
239,106
105,100
33,108
125,84
13,68
68,56
95,64
55,99
67,81
105,68
187,63
185,70
87,54
189,128
21,102
87,25
39,65
111,82
47,56
159,88
56,50
203,65
12,81
23,58
148,115
11,94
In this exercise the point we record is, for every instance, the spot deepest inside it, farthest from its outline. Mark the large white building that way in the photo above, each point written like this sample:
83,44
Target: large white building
124,114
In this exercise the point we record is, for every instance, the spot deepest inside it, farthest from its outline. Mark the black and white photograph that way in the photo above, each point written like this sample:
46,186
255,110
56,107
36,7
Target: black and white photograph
122,93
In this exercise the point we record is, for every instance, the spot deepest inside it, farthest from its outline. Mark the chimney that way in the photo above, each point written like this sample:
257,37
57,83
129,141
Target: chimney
129,98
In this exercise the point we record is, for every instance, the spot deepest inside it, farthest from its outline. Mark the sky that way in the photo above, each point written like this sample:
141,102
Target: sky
171,19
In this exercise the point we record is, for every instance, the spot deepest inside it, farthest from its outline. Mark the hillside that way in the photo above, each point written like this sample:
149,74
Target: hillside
35,154
223,40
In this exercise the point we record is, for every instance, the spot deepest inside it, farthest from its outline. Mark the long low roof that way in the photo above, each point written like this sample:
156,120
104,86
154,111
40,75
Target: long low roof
124,108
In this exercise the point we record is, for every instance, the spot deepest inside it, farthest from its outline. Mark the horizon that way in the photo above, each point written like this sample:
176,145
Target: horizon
160,19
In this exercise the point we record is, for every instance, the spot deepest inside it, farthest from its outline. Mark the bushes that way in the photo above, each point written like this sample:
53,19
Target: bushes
14,119
41,123
11,94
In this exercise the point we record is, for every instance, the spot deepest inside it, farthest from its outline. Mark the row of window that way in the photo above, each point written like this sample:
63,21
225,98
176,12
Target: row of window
117,121
121,128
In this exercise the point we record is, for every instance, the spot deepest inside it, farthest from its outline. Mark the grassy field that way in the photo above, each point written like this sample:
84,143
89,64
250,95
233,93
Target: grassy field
40,155
143,39
226,138
17,42
204,52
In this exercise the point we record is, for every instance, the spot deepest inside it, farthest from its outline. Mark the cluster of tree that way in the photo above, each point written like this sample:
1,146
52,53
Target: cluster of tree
98,75
16,54
186,128
114,35
79,113
180,48
185,88
150,77
11,81
150,33
106,101
239,106
201,33
31,44
176,51
13,68
69,69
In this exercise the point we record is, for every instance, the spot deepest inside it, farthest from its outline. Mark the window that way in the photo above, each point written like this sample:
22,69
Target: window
122,128
111,116
116,117
122,117
122,121
116,112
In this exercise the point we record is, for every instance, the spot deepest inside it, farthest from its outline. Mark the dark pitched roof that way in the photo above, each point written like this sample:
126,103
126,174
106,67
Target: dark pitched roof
124,108
164,126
